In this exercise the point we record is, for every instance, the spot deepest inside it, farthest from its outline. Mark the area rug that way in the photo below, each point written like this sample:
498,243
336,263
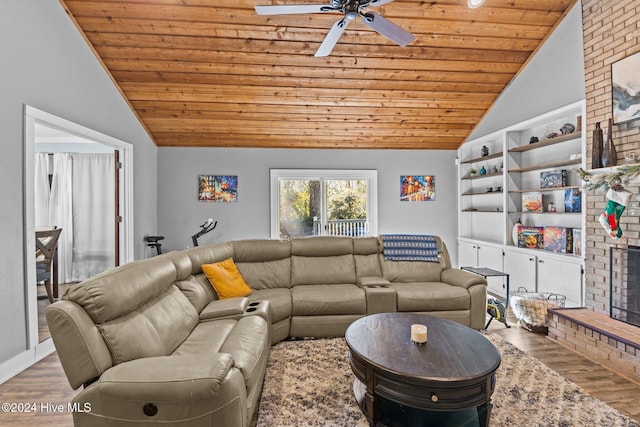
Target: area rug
309,383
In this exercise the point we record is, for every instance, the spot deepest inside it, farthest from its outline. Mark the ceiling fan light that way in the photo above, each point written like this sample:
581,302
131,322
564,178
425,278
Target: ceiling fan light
472,4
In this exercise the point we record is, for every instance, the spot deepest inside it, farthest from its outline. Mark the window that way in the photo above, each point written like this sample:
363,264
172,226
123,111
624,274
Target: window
323,203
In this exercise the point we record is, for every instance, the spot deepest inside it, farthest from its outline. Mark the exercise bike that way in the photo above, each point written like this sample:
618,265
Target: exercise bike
205,228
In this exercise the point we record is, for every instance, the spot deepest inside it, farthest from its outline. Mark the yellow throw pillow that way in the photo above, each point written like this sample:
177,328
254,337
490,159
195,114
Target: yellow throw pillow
226,279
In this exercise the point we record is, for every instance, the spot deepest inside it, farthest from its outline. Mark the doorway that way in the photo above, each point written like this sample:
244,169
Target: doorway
76,186
41,129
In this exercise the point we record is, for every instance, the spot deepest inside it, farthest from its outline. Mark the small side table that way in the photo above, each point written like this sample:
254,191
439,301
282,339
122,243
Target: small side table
489,272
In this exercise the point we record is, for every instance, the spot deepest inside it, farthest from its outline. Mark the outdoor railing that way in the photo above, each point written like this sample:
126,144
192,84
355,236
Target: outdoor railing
342,227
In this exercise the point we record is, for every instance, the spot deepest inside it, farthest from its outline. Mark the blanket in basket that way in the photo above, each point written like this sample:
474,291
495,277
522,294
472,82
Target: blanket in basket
410,247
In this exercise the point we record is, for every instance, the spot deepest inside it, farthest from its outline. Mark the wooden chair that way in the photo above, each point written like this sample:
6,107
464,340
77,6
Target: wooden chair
47,260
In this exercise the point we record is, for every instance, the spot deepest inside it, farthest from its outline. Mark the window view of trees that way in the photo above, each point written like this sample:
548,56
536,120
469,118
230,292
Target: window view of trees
300,202
301,207
347,199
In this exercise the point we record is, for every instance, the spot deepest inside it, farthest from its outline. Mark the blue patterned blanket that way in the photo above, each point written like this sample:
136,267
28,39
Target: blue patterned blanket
410,247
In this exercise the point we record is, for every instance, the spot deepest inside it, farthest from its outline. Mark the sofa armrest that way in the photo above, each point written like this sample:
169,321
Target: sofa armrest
224,308
373,282
465,279
168,390
83,353
167,378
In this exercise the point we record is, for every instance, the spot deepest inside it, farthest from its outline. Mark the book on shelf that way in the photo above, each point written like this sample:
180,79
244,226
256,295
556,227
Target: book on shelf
532,203
572,200
553,179
577,241
530,237
558,239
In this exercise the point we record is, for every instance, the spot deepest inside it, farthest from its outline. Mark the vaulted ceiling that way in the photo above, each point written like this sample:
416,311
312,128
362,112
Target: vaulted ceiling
214,73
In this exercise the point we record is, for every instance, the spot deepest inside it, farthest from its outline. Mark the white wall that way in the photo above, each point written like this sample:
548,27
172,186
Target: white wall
180,213
47,64
552,79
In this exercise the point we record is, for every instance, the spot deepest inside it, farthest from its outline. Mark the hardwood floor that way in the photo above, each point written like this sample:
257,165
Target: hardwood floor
42,384
45,383
616,391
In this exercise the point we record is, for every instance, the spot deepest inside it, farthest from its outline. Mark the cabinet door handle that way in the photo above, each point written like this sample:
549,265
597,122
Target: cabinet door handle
531,259
541,261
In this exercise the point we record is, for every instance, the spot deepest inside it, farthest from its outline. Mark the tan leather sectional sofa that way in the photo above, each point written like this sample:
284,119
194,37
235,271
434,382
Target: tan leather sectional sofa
151,343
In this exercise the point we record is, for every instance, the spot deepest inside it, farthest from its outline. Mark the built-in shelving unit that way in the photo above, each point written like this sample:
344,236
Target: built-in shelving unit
492,203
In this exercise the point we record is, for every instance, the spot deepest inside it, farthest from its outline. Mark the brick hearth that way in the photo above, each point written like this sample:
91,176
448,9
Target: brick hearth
611,343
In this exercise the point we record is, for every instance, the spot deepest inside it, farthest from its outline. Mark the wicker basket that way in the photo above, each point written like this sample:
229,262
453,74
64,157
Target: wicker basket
530,308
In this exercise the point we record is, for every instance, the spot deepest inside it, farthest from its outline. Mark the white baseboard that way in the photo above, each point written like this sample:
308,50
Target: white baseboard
24,360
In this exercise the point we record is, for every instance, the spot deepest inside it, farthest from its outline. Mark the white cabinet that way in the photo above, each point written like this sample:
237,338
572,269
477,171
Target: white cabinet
467,254
537,271
521,268
560,277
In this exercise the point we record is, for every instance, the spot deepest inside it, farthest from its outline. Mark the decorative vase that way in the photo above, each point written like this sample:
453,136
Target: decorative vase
609,154
514,232
596,154
483,171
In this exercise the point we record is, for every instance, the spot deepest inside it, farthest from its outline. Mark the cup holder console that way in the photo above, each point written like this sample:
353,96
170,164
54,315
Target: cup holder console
253,307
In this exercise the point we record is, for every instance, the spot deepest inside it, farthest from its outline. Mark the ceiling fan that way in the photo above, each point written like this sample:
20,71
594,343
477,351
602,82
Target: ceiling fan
351,10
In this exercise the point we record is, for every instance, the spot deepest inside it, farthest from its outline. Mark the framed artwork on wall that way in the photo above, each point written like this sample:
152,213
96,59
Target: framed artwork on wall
217,188
625,91
417,188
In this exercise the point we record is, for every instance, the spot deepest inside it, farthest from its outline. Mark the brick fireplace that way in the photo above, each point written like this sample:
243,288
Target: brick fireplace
611,32
624,289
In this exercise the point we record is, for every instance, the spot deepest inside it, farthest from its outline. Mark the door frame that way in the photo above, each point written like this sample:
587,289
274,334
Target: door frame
32,116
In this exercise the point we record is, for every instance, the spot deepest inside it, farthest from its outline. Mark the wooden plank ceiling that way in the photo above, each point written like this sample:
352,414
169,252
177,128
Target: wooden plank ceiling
213,73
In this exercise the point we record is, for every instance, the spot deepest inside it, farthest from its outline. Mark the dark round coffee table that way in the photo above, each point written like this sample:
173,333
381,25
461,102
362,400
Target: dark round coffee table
454,371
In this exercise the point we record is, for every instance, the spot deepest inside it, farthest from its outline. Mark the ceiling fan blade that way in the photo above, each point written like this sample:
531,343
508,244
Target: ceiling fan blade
379,2
388,29
293,9
332,37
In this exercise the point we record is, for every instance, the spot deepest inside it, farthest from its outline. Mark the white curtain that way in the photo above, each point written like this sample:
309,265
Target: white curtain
42,190
93,215
60,212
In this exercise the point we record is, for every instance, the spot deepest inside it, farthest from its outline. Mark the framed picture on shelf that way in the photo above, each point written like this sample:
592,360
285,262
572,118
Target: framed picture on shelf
625,91
217,188
417,188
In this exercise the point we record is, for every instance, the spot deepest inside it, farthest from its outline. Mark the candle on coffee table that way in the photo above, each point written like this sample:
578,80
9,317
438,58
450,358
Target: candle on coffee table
418,334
